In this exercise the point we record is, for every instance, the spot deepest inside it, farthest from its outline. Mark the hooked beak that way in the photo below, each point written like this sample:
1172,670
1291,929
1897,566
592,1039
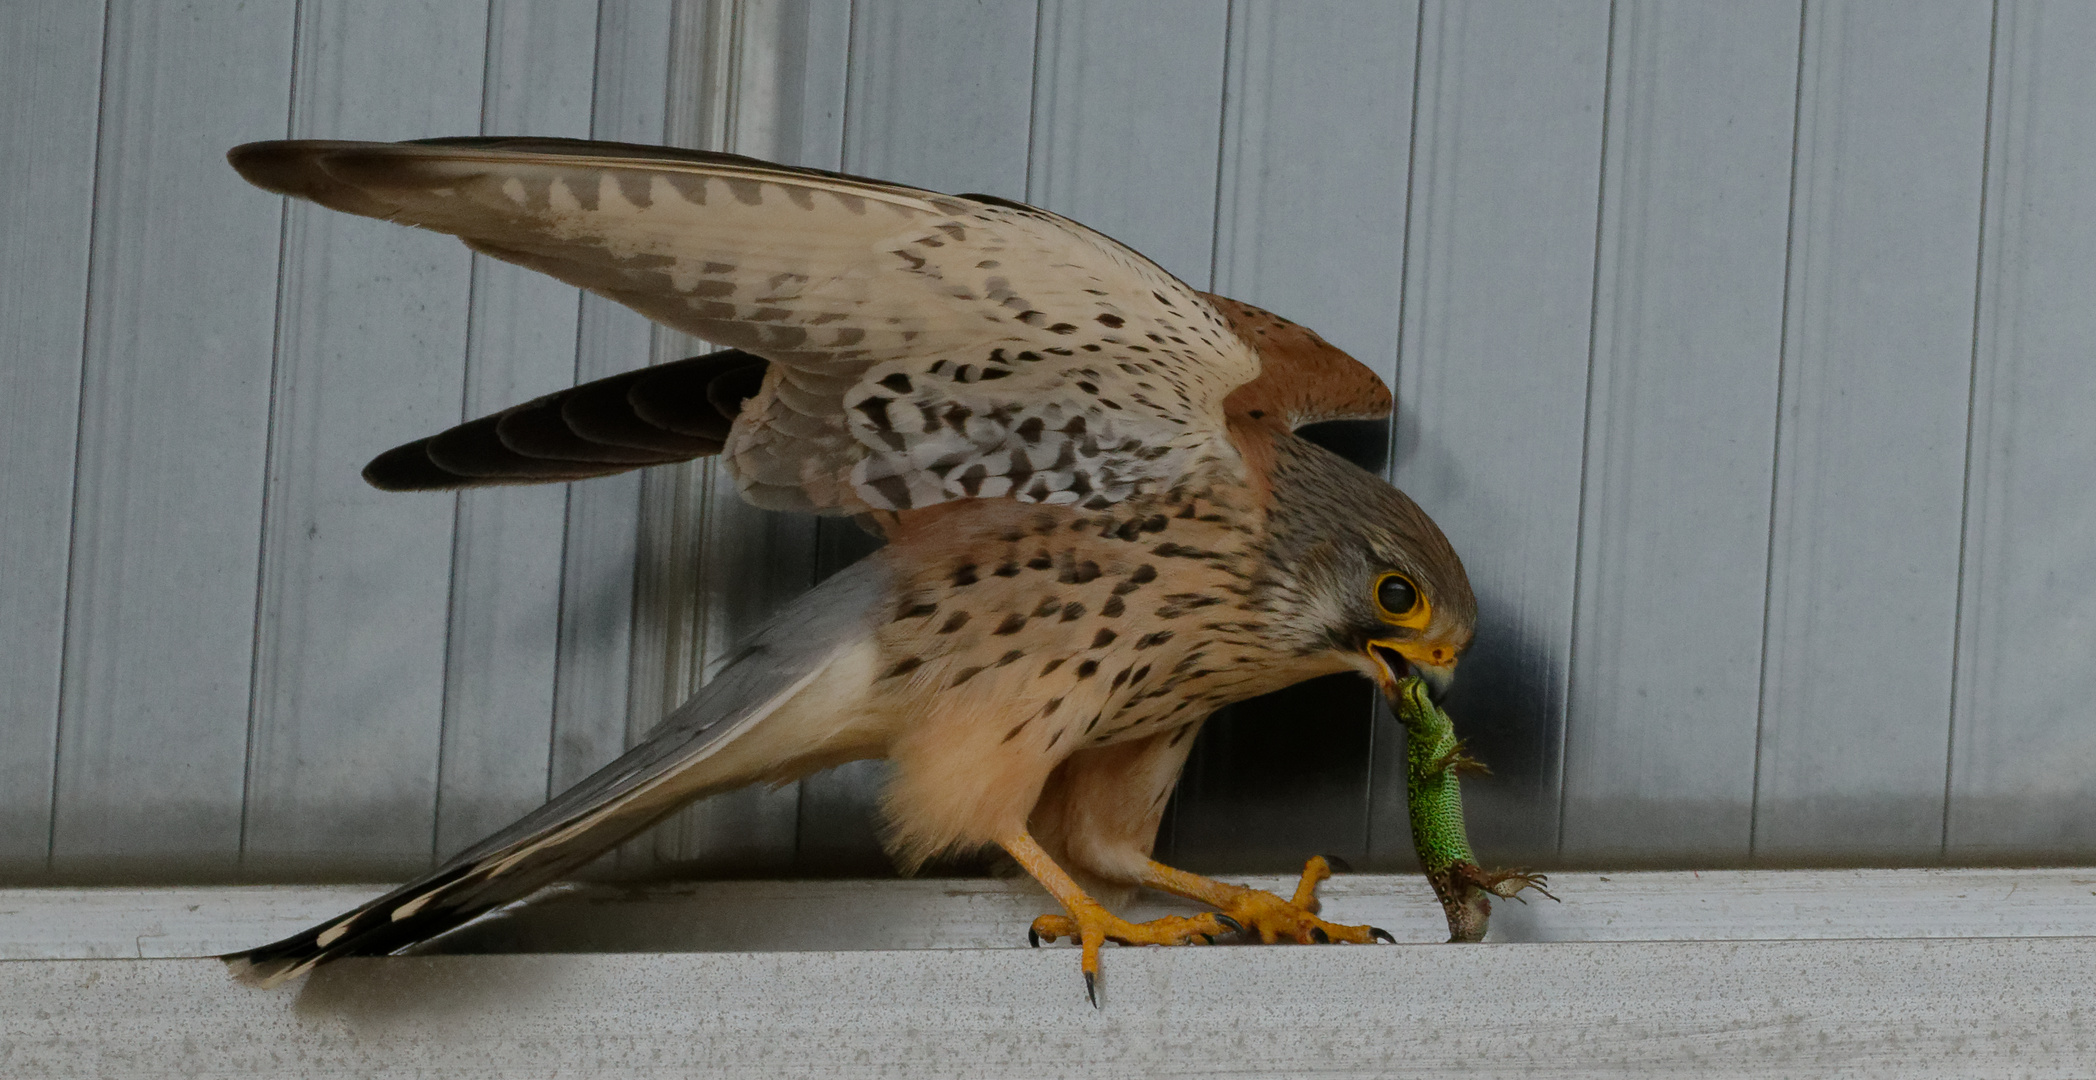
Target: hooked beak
1395,659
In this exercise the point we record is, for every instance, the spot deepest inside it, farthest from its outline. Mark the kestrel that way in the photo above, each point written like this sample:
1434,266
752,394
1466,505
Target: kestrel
1101,526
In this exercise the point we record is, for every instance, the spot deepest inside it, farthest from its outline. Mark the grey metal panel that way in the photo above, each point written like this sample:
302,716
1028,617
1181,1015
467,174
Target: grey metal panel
160,614
1310,224
1310,219
1870,456
500,649
350,647
417,650
2023,744
1491,379
1689,279
50,75
594,668
940,94
1142,175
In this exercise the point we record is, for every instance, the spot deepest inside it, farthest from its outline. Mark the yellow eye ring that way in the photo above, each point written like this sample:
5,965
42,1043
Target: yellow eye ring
1393,589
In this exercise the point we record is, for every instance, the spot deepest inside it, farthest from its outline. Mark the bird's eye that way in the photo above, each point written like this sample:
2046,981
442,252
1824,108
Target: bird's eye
1396,596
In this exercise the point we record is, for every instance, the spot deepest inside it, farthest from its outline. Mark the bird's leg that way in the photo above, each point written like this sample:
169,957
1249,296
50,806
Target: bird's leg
1264,913
1090,924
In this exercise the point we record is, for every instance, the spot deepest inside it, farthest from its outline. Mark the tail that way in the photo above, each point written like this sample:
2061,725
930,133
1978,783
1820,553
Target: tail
821,635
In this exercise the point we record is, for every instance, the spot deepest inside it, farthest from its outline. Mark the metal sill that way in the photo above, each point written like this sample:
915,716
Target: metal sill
1873,972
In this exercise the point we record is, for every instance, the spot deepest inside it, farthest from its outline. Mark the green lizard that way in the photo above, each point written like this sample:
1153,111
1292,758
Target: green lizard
1433,758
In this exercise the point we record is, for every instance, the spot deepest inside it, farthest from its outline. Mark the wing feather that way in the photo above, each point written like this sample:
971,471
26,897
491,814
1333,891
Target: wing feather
926,347
671,412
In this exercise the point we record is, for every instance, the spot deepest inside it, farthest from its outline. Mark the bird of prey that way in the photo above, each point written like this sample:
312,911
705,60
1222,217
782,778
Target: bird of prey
1101,526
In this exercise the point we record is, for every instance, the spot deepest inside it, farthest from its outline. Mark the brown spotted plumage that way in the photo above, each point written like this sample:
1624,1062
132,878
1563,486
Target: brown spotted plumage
1101,524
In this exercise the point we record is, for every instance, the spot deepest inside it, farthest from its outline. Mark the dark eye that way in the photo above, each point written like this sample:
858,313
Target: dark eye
1396,595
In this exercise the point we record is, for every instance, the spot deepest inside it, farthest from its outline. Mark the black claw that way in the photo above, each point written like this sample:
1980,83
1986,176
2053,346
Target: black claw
1377,933
1033,939
1317,934
1209,938
1229,922
1339,865
1091,990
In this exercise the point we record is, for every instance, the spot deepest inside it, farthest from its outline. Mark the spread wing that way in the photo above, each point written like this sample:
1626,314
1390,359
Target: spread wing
922,347
683,410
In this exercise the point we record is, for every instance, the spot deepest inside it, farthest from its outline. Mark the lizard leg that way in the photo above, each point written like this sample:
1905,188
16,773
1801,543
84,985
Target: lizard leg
1090,924
1263,913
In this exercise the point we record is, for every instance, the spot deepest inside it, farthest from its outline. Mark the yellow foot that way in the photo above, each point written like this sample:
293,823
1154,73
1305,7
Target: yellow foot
1092,926
1275,919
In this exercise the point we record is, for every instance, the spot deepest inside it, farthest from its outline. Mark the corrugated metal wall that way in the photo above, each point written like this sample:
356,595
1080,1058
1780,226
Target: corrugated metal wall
1746,351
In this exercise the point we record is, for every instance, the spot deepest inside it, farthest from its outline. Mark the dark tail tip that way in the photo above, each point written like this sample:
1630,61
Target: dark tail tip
264,972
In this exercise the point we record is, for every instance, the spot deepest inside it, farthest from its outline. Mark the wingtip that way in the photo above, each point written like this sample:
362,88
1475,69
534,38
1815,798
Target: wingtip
281,166
409,468
309,169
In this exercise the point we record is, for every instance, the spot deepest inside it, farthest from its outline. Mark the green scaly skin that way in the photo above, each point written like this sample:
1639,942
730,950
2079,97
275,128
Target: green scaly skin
1433,758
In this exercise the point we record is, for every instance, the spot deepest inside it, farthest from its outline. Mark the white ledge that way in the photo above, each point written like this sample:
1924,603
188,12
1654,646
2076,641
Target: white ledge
1894,973
831,916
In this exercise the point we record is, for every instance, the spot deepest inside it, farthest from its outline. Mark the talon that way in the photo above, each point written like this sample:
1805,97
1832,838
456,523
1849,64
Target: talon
1208,938
1275,919
1049,928
1338,864
1091,989
1377,933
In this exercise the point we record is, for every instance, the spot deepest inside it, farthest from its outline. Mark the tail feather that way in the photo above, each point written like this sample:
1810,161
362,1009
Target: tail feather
660,775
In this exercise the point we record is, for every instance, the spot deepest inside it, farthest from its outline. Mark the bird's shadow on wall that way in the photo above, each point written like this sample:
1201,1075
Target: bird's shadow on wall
1318,768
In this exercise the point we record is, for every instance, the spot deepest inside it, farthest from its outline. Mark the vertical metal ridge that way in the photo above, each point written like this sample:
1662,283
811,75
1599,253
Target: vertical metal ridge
844,111
1397,359
1404,257
87,322
560,585
476,267
1223,119
1958,653
1586,438
1783,362
1033,104
269,450
567,500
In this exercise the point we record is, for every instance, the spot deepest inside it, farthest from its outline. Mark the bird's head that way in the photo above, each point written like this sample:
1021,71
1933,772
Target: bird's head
1359,572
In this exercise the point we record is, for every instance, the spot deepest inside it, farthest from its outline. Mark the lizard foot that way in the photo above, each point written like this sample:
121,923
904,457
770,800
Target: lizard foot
1458,761
1508,884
